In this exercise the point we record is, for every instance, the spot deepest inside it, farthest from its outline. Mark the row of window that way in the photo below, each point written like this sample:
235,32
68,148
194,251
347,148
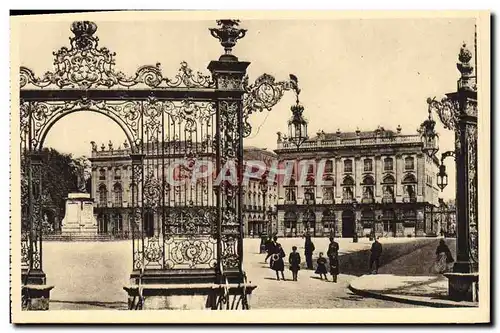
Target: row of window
348,194
117,173
367,165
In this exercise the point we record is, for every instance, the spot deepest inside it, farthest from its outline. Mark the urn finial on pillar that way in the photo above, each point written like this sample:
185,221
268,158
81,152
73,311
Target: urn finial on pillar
228,34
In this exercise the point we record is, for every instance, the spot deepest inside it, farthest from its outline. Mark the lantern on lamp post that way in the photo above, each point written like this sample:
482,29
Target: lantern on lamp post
428,135
297,126
442,177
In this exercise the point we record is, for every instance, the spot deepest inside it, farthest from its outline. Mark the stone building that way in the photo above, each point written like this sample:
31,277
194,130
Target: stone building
112,193
373,181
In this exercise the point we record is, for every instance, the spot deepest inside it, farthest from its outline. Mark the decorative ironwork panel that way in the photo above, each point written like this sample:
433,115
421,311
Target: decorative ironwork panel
471,137
177,211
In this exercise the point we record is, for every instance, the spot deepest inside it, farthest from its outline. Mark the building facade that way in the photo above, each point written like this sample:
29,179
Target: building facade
372,182
112,190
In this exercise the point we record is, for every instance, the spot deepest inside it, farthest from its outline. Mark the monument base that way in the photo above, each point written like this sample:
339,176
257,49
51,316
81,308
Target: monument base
463,286
79,218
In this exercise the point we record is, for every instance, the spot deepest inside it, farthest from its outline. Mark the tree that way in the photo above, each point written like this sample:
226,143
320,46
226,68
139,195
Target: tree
58,179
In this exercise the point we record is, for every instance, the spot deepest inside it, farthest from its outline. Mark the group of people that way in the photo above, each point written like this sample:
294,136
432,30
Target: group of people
276,254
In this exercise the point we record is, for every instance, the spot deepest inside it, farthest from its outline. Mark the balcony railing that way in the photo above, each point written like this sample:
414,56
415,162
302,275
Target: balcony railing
409,199
396,139
290,202
388,200
367,200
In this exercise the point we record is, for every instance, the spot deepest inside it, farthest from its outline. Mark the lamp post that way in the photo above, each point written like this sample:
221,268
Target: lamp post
355,233
263,190
458,112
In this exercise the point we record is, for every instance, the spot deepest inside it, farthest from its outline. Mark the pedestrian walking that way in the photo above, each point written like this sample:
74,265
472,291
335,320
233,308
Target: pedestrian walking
375,253
444,258
333,258
271,247
277,263
308,251
294,260
321,267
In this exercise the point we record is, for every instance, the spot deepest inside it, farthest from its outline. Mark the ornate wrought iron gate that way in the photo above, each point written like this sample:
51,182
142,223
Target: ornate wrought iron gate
173,126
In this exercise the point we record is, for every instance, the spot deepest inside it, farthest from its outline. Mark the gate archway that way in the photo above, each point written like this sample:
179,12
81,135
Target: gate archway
168,121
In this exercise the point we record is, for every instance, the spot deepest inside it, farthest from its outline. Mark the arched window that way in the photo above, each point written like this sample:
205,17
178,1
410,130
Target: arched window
118,195
348,181
348,166
103,195
388,164
368,165
347,189
368,181
368,196
409,163
389,179
409,178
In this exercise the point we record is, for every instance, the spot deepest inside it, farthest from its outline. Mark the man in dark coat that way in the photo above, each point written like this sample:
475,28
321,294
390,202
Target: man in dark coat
376,252
308,251
333,258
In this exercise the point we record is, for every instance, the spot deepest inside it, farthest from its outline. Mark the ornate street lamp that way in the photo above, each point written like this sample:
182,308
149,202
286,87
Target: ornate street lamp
428,135
458,112
297,126
263,189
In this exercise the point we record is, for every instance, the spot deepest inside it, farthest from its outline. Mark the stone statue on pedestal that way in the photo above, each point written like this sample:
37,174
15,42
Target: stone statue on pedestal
83,171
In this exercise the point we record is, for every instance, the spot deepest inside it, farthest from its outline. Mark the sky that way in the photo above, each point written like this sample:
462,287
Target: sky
353,73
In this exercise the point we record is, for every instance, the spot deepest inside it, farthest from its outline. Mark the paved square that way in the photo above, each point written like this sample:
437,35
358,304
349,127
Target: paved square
92,275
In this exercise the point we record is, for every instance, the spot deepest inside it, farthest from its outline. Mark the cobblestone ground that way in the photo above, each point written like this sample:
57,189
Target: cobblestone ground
92,275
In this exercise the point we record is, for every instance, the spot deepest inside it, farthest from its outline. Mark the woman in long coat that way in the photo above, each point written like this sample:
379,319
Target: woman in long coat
444,258
277,263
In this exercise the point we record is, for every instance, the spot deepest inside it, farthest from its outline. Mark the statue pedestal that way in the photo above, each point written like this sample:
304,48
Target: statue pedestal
79,218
